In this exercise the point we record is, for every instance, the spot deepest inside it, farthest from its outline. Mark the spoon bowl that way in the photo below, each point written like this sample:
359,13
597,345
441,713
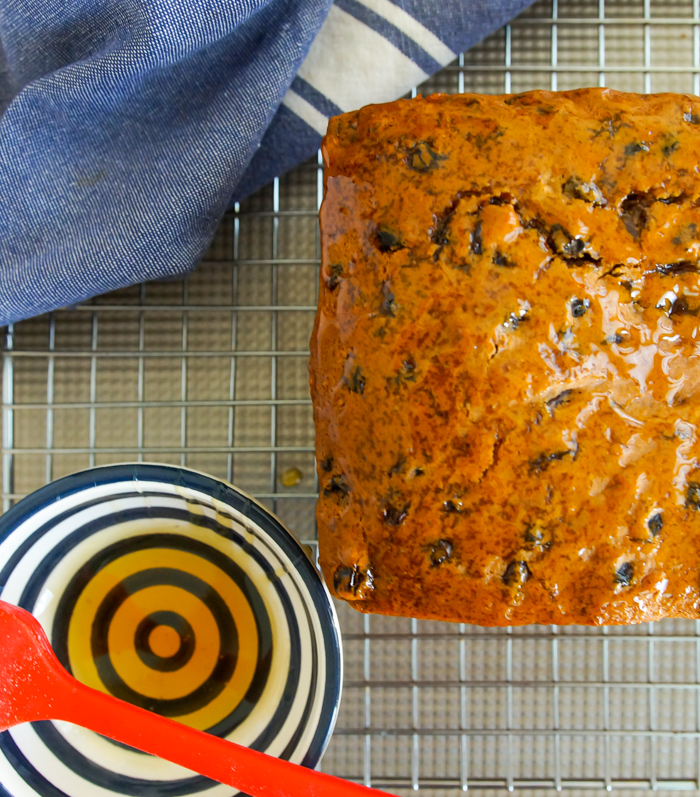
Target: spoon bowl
30,675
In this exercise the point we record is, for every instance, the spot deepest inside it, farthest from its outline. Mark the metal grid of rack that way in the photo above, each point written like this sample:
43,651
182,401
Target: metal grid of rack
211,372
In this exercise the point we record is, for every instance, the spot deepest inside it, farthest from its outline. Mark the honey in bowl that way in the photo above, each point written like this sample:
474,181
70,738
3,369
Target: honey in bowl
168,638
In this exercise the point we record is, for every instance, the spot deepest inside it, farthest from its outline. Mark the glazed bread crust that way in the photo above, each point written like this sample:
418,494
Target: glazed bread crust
505,363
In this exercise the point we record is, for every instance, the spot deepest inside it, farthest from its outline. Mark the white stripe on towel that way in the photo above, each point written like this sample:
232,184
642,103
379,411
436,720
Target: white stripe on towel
304,110
413,29
354,65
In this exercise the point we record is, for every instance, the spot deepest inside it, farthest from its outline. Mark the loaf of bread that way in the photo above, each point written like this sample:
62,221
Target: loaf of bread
505,365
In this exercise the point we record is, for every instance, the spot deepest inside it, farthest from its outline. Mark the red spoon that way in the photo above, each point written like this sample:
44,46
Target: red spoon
34,686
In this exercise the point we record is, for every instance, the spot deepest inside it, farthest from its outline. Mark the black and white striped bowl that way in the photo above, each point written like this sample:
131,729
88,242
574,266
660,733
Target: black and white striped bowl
176,592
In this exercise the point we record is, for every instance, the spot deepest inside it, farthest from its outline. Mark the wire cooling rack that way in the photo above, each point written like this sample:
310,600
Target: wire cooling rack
211,372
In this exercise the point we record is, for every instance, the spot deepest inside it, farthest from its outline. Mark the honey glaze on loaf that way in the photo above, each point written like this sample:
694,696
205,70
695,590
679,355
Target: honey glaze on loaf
505,365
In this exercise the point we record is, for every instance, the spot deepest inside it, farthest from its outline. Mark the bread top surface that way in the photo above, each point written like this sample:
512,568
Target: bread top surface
505,364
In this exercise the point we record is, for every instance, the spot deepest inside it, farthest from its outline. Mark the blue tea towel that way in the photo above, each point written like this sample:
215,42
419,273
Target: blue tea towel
129,126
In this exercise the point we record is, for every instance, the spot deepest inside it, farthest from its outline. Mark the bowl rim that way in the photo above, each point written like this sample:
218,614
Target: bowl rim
222,490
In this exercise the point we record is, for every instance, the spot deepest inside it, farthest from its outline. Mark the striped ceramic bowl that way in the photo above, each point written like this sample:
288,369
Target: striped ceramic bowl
174,591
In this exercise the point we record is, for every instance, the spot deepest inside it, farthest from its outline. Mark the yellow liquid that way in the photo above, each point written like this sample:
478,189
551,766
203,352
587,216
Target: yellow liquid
199,689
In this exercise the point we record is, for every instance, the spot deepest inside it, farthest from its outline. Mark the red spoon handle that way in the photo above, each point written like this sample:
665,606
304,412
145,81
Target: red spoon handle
248,770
